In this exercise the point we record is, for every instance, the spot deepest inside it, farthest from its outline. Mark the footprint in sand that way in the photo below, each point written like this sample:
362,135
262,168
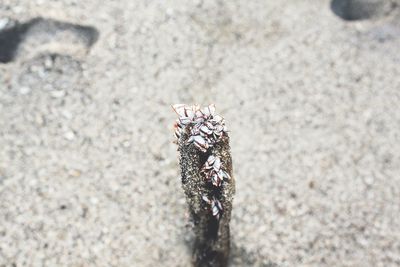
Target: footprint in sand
43,36
48,55
353,10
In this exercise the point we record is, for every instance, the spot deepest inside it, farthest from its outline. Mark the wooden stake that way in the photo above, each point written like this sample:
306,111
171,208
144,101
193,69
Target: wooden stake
212,242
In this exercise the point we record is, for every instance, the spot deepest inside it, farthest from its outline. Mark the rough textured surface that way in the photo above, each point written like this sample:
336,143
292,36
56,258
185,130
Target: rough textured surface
211,245
88,173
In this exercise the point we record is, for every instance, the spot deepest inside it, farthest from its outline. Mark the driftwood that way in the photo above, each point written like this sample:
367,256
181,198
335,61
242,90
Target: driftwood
211,226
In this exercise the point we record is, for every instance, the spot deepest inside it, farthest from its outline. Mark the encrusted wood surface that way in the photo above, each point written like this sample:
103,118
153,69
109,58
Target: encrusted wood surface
212,243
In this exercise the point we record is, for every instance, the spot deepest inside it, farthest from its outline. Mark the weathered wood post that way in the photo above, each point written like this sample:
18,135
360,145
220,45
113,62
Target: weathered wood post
207,180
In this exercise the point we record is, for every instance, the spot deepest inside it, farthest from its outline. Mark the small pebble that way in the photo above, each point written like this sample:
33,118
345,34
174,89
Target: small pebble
94,200
24,90
69,135
57,94
74,173
67,114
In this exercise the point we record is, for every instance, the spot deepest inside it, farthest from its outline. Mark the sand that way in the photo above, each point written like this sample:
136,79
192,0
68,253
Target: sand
309,90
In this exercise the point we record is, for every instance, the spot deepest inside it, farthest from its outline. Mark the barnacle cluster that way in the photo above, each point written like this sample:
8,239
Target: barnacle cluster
204,129
214,171
216,206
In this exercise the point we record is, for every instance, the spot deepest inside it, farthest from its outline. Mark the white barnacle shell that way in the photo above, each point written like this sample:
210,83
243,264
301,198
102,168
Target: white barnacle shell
180,109
206,130
215,180
219,204
211,159
218,119
217,164
206,199
226,175
199,142
216,208
209,110
190,113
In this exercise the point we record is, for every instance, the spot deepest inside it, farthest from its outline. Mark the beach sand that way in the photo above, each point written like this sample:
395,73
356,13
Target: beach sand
310,92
